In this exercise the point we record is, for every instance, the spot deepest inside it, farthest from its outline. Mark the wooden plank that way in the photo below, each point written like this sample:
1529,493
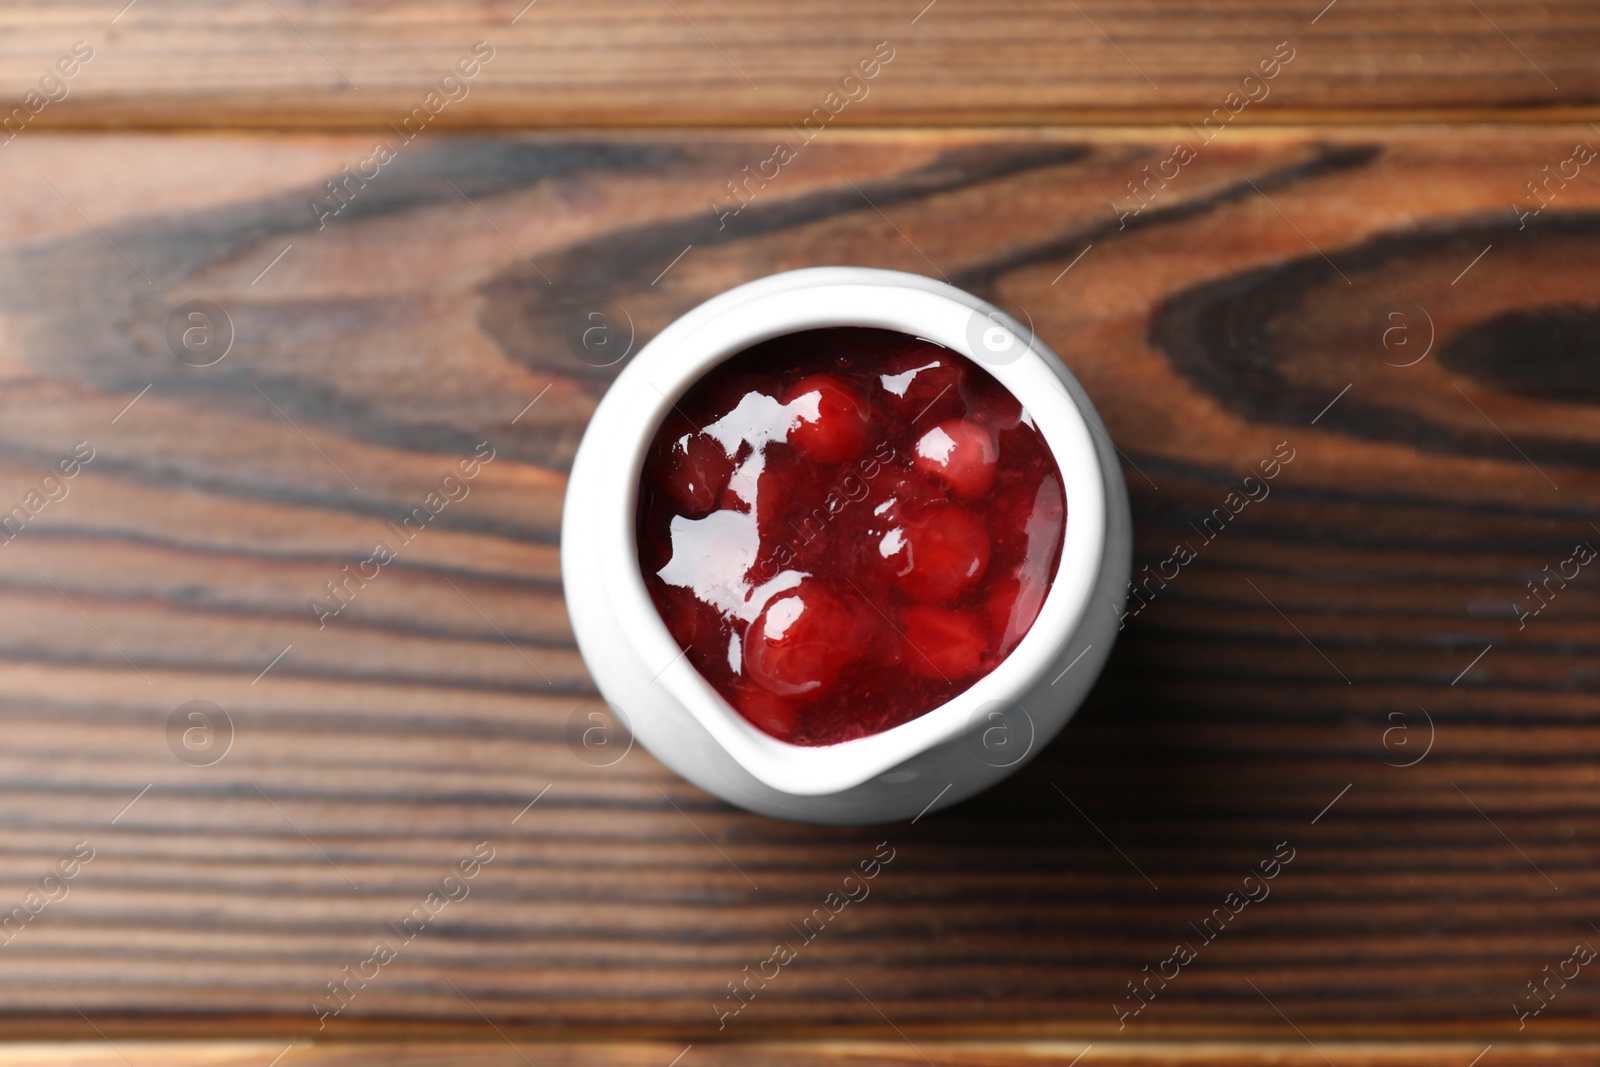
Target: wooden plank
297,63
844,1052
1255,700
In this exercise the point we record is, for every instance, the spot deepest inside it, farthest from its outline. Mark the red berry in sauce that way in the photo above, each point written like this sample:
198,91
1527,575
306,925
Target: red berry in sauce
923,382
774,714
960,454
897,494
692,621
845,528
695,474
990,403
785,477
801,640
945,644
938,555
832,419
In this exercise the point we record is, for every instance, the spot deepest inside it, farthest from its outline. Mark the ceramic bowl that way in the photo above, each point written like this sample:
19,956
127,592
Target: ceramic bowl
957,749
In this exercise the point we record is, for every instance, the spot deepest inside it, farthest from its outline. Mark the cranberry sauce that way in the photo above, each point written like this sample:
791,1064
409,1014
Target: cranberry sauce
845,528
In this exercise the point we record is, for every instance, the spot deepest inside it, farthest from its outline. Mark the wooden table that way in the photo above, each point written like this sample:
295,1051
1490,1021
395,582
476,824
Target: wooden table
1382,669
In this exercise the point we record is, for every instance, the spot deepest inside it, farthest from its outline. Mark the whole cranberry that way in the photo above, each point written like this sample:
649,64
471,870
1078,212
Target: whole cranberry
935,557
833,419
944,644
960,454
802,639
696,471
774,714
923,383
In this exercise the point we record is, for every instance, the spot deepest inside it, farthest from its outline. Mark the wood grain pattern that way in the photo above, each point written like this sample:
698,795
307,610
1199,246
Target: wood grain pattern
1245,306
846,1052
712,62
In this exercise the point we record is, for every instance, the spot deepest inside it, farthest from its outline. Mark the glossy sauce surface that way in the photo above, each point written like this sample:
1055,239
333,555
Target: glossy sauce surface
845,528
